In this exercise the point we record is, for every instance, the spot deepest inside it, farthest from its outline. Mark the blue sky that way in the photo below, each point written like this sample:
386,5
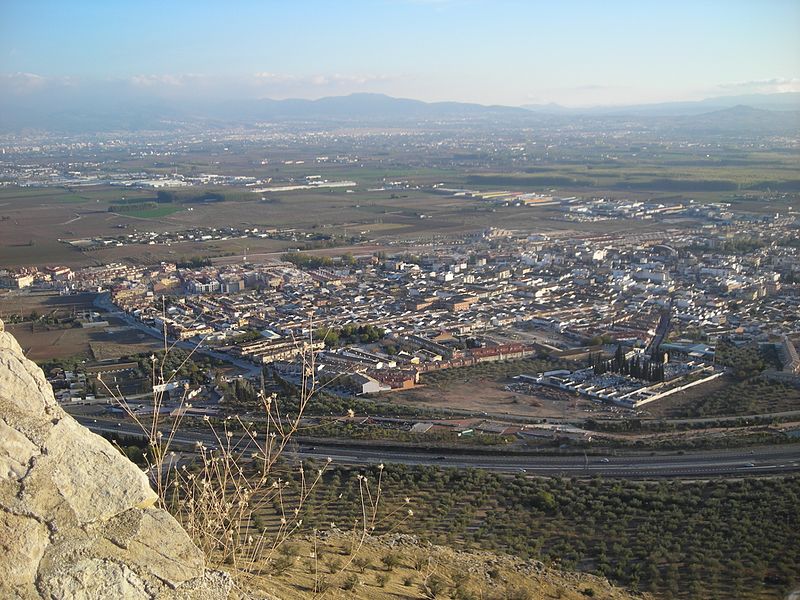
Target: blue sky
500,51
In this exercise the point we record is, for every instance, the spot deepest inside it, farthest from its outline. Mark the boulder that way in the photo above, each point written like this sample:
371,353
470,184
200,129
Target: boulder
77,518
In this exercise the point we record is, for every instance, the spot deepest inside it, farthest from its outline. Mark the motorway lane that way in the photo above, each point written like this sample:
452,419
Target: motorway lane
763,460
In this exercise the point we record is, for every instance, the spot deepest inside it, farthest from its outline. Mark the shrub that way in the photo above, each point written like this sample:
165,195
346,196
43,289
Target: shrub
513,592
391,560
362,563
282,563
350,582
334,564
322,585
433,586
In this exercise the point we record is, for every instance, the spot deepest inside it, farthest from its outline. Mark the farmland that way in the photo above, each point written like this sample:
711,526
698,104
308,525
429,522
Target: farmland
395,198
43,324
714,539
41,344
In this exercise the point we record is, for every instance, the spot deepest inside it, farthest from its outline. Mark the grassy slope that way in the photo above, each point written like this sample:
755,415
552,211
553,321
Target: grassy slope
463,574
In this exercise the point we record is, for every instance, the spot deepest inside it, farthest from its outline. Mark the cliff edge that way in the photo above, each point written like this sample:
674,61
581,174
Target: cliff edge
77,519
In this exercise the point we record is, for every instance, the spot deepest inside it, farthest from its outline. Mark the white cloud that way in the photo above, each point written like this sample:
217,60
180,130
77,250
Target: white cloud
267,77
164,80
22,83
776,85
320,80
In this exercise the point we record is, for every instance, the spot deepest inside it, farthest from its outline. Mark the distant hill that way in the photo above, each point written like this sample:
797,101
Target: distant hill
789,101
82,114
361,107
743,119
72,112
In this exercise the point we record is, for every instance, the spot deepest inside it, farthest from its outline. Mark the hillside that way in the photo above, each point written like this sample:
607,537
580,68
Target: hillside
422,570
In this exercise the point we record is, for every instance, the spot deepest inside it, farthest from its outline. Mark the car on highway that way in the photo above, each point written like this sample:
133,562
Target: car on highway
604,460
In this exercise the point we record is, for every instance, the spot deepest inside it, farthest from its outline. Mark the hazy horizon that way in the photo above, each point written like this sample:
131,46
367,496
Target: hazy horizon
512,53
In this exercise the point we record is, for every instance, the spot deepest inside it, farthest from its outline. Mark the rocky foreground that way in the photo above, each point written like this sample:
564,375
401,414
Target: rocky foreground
77,519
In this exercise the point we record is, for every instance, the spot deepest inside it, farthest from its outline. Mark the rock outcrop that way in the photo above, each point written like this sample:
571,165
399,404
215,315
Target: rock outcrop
78,519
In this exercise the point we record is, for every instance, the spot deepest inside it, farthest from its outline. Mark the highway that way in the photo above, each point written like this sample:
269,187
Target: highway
734,463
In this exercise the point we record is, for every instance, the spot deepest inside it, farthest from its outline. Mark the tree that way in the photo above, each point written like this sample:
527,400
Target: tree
391,560
328,335
362,563
165,197
350,582
433,586
619,358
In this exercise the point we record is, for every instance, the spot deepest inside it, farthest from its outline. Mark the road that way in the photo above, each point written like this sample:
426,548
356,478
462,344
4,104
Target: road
740,462
102,301
261,257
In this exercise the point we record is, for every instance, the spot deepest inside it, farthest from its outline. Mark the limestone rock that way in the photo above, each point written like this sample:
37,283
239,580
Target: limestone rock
16,452
22,544
138,535
77,518
92,578
92,481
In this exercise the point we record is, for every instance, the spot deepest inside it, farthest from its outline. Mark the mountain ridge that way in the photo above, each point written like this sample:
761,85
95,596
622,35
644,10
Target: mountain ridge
75,114
785,101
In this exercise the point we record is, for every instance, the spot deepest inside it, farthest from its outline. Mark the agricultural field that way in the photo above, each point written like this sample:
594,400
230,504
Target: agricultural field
33,225
43,343
44,325
40,343
732,398
712,539
33,220
151,213
122,341
15,304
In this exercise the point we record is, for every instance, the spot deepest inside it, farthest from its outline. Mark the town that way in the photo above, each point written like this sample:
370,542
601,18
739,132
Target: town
376,322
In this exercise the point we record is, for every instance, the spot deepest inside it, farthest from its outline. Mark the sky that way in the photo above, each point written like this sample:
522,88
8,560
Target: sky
513,52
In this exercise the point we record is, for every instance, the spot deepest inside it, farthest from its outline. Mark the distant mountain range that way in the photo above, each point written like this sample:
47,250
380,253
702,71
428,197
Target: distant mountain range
363,106
787,101
764,114
738,119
